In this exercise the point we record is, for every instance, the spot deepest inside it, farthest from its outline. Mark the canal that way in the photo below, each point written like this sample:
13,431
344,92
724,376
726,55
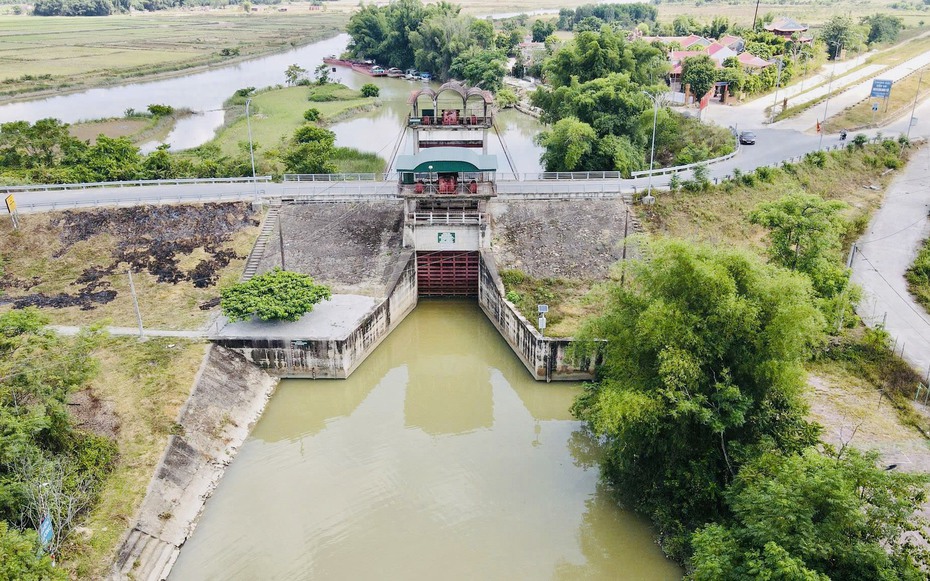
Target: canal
204,92
438,458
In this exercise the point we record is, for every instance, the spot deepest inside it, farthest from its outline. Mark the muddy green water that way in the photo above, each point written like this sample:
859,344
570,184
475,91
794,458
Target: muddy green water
439,458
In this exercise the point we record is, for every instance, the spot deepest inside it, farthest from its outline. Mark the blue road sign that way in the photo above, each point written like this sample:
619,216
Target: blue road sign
45,530
881,88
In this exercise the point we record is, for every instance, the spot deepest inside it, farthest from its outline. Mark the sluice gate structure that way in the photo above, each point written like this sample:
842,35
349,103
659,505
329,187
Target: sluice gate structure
429,237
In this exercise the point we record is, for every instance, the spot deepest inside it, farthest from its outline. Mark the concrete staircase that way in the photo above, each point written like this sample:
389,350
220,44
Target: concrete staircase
144,558
258,251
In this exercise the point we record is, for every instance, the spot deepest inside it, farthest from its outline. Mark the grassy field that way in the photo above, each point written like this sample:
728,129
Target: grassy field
144,384
38,263
138,129
277,113
54,53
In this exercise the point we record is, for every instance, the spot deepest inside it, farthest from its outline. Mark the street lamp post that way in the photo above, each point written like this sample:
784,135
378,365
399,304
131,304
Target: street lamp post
910,121
248,122
652,154
777,83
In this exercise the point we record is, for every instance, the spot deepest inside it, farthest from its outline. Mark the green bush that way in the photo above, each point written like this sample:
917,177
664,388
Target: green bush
370,90
860,140
278,295
512,277
312,114
160,110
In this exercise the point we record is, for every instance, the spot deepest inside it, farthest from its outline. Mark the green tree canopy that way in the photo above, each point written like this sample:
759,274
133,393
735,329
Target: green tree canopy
567,145
882,27
817,517
838,33
700,72
19,560
804,235
702,372
277,295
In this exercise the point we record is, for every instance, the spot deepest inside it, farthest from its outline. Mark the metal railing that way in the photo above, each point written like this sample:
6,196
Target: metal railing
565,190
29,208
447,218
678,168
334,177
133,183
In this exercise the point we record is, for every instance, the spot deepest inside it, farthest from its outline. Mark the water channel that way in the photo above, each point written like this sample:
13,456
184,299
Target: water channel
438,458
204,93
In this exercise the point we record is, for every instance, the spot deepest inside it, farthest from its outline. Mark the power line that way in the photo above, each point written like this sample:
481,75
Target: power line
895,291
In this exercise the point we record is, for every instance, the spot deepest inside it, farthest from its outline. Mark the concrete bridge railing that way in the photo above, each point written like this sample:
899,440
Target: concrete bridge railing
133,183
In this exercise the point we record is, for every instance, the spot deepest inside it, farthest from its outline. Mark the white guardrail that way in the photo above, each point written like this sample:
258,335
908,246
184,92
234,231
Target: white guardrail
132,183
678,168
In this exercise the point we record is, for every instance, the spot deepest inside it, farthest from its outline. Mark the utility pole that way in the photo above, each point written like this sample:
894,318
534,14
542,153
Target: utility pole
281,241
135,301
754,15
248,122
823,125
652,155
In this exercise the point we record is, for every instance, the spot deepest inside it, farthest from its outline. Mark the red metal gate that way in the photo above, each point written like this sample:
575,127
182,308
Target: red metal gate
447,274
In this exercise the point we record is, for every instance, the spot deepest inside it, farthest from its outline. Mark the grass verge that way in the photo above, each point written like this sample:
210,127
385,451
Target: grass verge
138,129
570,301
902,97
918,276
720,215
146,383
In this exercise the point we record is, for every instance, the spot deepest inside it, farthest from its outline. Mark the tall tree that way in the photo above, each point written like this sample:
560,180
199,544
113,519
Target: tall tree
700,72
702,372
567,144
837,33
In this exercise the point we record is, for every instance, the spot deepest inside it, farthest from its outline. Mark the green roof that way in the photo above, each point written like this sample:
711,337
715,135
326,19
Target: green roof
446,159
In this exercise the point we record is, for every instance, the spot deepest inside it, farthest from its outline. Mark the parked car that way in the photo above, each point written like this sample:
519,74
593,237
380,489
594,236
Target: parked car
747,138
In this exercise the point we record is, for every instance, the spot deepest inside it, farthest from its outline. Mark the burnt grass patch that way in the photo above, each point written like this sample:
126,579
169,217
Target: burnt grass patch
152,239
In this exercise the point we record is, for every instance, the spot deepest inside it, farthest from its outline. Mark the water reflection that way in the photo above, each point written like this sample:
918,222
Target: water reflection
438,458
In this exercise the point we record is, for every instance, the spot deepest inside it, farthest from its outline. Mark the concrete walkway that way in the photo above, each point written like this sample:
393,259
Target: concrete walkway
886,251
332,319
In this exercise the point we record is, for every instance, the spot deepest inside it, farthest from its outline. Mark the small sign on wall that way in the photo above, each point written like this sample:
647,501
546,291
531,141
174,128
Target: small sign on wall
445,237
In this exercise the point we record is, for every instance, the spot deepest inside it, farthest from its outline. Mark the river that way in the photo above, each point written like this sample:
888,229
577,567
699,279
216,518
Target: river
204,93
439,458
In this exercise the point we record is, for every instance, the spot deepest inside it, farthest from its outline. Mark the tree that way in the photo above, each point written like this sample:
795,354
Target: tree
541,29
701,373
312,114
837,33
369,90
484,68
320,74
882,28
804,235
817,516
699,72
567,144
482,32
294,73
310,150
278,295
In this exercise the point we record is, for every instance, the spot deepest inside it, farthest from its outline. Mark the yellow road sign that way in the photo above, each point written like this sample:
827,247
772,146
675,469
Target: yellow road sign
10,203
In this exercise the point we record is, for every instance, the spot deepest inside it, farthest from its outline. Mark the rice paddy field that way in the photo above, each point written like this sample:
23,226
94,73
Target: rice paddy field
41,55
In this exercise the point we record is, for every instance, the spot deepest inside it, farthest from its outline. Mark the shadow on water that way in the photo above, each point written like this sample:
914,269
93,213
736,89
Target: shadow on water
439,457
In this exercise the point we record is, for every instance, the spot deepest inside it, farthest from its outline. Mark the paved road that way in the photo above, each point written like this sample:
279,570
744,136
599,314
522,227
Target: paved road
808,119
886,250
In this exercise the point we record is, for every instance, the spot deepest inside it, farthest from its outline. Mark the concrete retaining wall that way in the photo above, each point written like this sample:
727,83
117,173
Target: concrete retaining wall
545,357
334,358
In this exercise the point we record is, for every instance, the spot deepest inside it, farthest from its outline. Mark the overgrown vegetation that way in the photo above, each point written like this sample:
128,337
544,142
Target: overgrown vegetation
278,295
436,38
699,397
918,276
602,120
49,468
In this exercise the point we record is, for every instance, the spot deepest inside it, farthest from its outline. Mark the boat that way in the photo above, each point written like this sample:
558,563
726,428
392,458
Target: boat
364,67
394,72
424,76
412,75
